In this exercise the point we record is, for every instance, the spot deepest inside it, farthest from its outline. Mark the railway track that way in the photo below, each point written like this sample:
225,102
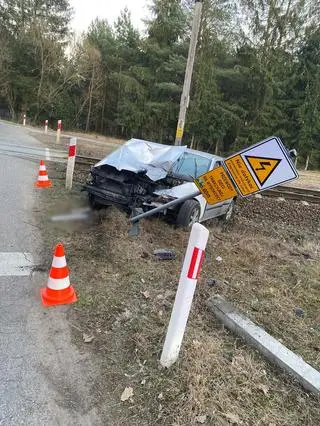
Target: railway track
294,193
287,192
86,161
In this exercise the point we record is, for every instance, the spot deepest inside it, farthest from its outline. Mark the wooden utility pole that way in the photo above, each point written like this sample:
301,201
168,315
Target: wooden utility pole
184,103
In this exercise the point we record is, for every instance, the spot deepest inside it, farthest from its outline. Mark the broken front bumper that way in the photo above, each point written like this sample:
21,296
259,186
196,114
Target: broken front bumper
105,197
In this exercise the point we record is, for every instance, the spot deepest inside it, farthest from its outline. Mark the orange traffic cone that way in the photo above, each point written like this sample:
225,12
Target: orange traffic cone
43,180
58,290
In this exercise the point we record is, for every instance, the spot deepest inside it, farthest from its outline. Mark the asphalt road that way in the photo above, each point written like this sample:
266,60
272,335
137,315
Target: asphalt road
14,145
44,380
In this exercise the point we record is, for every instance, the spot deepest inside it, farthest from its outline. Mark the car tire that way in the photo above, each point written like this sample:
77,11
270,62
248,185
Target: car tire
189,213
93,203
229,215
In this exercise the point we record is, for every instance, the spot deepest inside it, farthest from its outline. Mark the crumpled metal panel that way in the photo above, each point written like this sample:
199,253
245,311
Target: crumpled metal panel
138,155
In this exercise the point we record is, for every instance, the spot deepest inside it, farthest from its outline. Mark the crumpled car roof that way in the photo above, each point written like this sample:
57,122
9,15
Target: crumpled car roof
138,155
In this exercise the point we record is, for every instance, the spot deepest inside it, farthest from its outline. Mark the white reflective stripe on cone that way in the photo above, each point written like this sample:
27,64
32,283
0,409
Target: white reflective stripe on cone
43,178
59,262
43,168
58,284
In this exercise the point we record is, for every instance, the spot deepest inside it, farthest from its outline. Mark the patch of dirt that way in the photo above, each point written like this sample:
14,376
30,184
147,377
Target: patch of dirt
271,215
96,148
307,179
270,267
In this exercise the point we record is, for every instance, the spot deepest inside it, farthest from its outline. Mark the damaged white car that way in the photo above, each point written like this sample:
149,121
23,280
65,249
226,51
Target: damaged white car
144,175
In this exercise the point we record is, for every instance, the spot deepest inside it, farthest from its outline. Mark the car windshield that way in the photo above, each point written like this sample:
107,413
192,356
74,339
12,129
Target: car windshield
191,165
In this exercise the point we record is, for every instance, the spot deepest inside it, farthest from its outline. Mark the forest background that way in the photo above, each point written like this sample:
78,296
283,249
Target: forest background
256,73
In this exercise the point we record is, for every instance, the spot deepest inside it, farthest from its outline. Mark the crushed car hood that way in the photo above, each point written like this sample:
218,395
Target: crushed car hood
178,191
138,155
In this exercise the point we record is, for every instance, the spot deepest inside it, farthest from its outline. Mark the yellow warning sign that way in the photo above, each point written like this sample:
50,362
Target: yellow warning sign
262,167
241,175
179,133
216,186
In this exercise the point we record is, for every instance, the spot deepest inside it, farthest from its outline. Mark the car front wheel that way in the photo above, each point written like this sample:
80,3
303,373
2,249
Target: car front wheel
189,213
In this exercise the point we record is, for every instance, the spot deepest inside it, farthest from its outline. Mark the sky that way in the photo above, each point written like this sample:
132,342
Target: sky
87,10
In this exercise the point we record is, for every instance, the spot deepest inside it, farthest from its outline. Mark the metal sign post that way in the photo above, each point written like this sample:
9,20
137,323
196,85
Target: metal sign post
255,169
260,167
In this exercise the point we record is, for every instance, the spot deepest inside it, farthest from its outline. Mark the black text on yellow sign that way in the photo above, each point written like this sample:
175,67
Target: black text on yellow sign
241,175
179,132
216,186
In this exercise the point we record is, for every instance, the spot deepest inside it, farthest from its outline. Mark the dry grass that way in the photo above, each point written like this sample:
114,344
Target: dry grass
270,266
96,137
307,179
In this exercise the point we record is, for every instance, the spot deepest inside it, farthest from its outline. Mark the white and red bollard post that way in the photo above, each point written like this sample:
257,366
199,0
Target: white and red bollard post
71,162
186,288
24,119
59,128
46,126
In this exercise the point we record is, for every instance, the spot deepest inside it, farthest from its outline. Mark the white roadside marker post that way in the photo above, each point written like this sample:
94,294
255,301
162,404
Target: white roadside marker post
46,126
71,162
24,119
59,130
186,288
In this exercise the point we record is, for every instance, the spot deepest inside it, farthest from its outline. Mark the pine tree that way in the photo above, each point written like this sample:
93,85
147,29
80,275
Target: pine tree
34,32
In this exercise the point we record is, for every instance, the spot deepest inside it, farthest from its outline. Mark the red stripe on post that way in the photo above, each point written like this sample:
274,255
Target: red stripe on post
72,150
200,264
196,263
193,262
